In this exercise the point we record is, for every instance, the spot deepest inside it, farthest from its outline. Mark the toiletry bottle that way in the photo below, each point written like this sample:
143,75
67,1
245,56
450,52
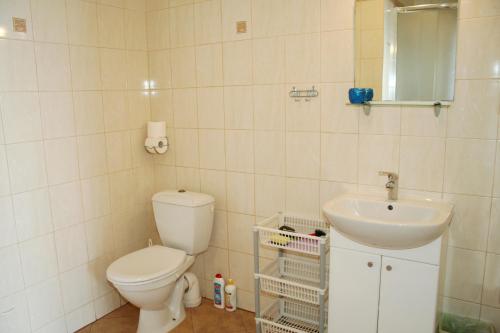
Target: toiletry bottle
219,291
230,295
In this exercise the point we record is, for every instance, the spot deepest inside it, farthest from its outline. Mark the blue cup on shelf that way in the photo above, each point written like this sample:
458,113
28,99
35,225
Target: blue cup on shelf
369,94
357,95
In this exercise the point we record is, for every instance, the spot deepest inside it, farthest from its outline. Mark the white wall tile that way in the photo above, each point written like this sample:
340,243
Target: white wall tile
421,163
302,58
377,153
160,72
465,159
119,153
475,117
26,166
18,320
210,107
21,117
88,112
476,55
336,116
184,105
494,232
52,66
114,69
213,182
212,149
239,227
471,218
209,65
158,29
66,204
208,22
240,150
18,59
269,107
44,301
82,22
491,290
269,152
8,233
269,60
85,68
4,173
182,26
76,288
339,157
187,151
302,154
49,20
464,278
269,194
12,281
62,160
39,259
92,155
238,107
237,63
302,197
183,67
240,193
95,194
337,66
58,119
421,121
111,27
32,214
71,246
337,15
381,120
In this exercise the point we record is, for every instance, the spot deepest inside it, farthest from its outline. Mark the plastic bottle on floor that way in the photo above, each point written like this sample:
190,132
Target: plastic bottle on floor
219,291
230,295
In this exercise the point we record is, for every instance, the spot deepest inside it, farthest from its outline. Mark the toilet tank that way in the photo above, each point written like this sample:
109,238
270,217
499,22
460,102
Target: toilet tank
184,219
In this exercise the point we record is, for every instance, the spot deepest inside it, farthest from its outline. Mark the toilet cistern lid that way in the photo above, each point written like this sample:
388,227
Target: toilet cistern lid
146,264
183,198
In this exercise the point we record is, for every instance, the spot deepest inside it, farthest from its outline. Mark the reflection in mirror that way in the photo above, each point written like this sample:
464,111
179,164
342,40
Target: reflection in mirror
405,49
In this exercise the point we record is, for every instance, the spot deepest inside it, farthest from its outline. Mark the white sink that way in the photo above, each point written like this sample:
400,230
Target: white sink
377,222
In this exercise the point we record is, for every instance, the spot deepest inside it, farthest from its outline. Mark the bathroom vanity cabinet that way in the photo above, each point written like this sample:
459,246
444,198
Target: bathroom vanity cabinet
374,290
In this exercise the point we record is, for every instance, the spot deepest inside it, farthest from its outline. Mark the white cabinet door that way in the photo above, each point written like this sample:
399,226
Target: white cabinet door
354,290
408,297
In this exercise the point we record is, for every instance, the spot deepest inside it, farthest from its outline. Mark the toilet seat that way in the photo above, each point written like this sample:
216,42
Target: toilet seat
146,265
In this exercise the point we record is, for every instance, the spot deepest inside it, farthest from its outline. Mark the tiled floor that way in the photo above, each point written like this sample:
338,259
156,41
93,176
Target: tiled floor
203,319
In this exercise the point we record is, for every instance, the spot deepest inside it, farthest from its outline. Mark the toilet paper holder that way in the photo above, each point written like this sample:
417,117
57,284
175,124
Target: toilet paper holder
160,147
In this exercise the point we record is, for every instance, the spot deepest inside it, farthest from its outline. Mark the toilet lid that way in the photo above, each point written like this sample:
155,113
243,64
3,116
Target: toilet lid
146,264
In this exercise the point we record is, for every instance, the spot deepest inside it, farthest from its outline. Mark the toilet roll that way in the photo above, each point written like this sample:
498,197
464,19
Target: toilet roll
156,145
157,129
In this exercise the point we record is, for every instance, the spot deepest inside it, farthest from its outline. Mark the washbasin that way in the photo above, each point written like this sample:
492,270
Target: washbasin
377,222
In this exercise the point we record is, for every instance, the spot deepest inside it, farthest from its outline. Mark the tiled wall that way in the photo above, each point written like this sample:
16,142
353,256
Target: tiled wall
237,135
75,182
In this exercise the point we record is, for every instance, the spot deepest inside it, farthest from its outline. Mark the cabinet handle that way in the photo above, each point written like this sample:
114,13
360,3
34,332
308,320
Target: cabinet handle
370,264
388,267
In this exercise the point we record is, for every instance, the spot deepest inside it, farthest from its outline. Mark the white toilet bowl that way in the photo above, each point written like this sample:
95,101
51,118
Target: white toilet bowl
153,280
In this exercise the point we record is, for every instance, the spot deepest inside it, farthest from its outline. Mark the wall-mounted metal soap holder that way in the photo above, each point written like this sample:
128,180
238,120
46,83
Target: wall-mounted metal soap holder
305,93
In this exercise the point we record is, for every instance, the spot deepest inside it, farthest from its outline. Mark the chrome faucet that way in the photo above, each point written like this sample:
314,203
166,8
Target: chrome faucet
391,185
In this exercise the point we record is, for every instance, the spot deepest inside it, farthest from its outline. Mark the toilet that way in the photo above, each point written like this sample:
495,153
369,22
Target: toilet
154,278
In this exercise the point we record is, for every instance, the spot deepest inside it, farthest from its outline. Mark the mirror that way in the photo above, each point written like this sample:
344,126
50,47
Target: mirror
405,49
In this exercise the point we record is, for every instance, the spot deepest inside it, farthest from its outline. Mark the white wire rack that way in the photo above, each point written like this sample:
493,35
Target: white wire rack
291,278
285,316
302,240
297,279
